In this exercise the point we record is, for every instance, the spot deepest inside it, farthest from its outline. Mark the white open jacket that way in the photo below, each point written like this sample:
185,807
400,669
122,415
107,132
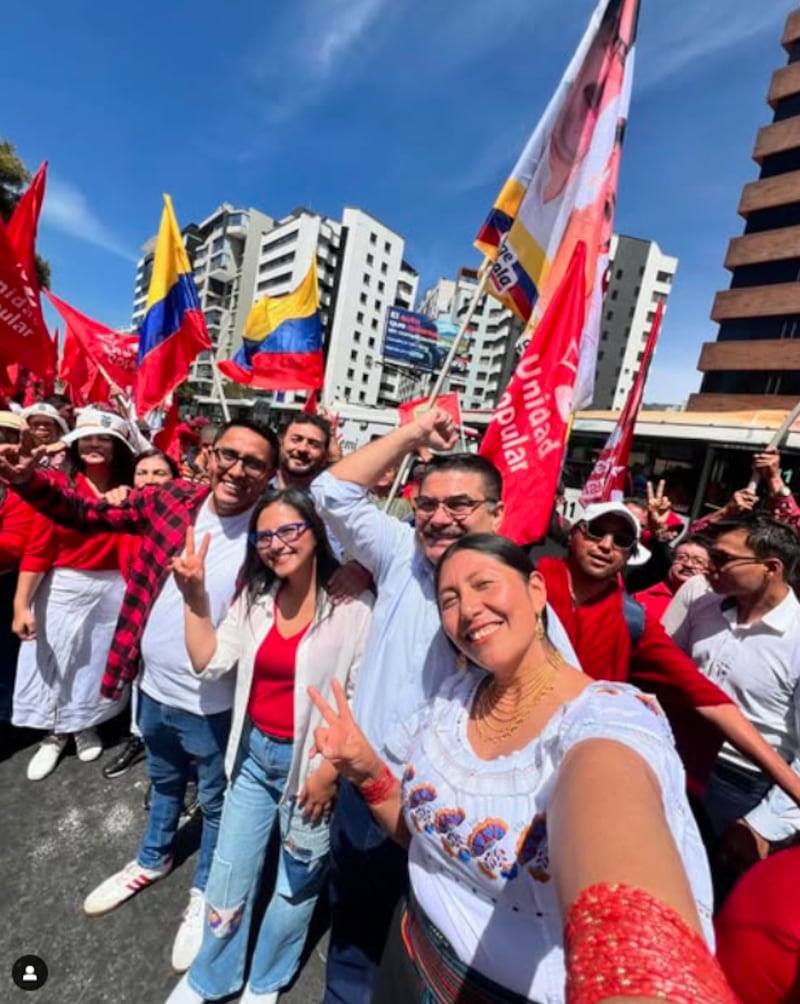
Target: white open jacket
330,649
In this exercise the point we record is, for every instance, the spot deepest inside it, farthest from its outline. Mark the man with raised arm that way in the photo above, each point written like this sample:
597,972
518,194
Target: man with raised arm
405,661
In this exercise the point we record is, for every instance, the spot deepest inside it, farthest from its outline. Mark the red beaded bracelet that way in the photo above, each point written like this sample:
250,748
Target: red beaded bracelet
378,790
623,942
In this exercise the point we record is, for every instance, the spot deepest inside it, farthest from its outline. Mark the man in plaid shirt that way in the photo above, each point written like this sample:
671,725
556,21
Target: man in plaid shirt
183,720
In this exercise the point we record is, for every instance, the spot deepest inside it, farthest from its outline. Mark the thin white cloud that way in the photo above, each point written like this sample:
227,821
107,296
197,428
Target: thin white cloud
67,209
680,36
316,46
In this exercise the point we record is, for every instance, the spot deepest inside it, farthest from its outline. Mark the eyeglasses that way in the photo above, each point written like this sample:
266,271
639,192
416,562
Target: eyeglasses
621,539
457,506
719,559
286,534
251,466
699,563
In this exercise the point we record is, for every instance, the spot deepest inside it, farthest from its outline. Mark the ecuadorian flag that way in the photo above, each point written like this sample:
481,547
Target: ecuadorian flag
282,341
173,331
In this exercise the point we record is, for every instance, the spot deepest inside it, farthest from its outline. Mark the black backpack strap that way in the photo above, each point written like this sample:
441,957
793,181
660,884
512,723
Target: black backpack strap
633,612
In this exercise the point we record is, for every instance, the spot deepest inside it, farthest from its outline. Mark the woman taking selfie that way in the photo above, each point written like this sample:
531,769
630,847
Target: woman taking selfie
283,634
552,853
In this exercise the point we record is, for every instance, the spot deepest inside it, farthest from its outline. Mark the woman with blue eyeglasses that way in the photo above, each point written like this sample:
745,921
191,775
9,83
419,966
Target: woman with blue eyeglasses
282,634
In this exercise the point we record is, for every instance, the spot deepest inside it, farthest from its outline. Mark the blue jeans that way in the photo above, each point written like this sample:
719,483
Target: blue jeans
369,875
732,792
174,741
252,809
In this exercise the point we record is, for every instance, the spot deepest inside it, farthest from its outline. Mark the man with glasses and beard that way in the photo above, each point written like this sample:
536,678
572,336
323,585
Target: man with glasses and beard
616,639
406,659
745,636
183,720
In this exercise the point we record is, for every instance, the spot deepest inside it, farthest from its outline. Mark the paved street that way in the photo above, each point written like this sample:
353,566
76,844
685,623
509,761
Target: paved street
59,838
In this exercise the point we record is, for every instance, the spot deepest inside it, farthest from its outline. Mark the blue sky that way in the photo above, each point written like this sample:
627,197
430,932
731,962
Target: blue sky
413,110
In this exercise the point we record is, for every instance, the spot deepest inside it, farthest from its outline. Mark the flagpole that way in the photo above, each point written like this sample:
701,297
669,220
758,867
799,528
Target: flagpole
217,383
436,390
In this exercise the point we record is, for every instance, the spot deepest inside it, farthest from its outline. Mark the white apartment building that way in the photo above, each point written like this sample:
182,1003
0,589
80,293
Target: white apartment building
224,251
640,276
491,339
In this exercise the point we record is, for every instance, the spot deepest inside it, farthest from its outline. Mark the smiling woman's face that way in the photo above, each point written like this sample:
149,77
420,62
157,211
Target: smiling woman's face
489,610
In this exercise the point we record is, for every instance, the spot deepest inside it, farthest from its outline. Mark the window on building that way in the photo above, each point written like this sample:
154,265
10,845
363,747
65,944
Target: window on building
371,342
614,294
279,242
374,323
387,247
610,315
362,397
604,336
347,393
619,273
357,337
373,238
600,355
384,268
664,277
639,357
381,286
362,298
379,305
370,259
365,377
641,271
360,317
365,279
351,374
632,311
353,355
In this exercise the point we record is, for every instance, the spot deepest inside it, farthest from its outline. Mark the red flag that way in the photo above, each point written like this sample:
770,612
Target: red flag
310,406
167,439
23,335
22,226
607,480
94,355
409,410
527,435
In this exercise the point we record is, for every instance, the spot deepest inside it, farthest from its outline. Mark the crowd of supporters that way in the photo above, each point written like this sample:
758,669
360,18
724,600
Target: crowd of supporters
569,772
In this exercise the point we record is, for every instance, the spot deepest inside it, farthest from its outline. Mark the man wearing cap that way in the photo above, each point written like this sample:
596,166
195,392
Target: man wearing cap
616,639
182,719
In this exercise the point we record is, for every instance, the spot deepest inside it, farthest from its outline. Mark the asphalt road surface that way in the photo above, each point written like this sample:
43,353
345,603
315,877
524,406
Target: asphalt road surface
62,836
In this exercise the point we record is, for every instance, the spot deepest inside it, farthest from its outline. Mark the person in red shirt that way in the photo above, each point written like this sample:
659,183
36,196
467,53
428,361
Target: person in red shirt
617,639
758,932
16,517
67,602
690,558
282,635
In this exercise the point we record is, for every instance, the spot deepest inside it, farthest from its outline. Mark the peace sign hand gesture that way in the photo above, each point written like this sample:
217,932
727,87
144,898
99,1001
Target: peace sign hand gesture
658,508
189,568
341,741
18,460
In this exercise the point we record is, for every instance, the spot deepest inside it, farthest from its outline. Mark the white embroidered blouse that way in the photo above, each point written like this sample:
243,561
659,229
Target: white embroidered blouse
478,859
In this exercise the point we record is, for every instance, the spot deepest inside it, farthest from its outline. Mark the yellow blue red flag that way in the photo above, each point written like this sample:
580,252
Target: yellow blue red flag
282,341
173,331
562,189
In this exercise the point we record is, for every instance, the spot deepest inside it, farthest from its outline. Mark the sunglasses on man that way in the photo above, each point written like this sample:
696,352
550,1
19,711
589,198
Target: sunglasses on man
596,530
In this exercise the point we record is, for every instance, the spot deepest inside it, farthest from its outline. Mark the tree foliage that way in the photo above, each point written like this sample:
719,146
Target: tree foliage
14,176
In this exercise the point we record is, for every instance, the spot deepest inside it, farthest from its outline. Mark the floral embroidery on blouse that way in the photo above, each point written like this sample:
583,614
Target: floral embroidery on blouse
532,849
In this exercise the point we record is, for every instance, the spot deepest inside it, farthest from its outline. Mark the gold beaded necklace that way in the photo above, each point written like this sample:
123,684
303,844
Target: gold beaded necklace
493,722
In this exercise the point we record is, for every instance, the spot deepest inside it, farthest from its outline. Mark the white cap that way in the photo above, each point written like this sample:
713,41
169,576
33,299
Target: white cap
640,554
94,422
42,410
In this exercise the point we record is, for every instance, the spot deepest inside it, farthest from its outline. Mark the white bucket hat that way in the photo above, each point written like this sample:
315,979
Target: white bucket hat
42,410
94,422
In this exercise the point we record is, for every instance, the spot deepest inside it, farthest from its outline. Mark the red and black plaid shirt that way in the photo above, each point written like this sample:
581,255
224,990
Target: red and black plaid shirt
160,517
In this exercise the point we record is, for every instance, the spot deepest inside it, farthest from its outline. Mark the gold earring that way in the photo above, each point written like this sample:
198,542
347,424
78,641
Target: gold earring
539,632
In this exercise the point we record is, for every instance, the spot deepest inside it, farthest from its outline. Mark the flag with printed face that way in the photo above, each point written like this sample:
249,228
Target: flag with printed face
173,331
527,435
563,188
282,341
607,481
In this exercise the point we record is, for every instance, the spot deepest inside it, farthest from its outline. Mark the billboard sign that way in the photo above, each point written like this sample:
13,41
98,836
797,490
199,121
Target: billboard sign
413,339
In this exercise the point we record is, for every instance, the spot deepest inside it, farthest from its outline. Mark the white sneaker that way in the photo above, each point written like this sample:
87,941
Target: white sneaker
190,933
183,994
46,757
126,883
249,997
88,745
